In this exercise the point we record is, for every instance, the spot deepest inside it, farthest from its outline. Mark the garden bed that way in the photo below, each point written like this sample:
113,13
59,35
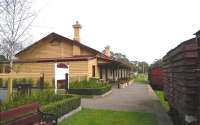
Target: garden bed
51,103
89,88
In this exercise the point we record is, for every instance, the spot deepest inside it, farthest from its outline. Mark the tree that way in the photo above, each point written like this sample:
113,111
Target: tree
157,63
15,20
140,67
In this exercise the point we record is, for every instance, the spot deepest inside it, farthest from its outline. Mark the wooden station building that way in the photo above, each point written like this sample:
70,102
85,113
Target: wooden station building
84,62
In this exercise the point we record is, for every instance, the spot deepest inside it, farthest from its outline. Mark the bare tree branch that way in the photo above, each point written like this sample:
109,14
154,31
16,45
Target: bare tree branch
15,20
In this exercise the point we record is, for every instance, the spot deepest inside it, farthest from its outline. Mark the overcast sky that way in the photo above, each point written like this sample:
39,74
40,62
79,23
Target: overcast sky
143,30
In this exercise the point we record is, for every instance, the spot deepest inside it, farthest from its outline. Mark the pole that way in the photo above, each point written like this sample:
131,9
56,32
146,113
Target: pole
10,89
67,82
55,79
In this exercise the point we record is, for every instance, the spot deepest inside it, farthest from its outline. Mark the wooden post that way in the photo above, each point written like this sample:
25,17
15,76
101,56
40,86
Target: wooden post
66,82
42,81
10,89
121,73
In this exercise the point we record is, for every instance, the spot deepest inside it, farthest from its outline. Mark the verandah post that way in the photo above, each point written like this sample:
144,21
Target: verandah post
66,82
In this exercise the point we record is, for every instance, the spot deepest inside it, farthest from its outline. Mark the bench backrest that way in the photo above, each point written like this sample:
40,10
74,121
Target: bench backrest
22,115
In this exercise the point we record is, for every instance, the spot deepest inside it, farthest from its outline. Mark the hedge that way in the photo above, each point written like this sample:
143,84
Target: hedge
90,91
56,104
62,107
87,84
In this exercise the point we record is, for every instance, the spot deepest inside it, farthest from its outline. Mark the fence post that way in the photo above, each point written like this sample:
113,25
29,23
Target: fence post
10,89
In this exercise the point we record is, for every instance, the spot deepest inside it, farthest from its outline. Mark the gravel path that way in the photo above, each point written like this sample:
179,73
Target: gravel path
135,97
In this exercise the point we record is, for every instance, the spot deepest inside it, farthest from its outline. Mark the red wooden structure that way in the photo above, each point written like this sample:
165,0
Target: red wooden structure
156,75
27,115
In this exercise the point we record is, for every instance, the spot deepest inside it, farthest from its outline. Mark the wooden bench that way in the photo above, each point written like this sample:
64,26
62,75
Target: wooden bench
29,114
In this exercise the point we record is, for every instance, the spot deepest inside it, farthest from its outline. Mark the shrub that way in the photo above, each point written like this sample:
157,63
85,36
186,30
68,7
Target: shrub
90,87
90,91
62,107
30,81
93,79
14,83
22,80
87,84
43,97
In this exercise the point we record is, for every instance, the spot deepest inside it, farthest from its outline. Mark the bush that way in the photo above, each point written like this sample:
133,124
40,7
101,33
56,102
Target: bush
90,87
90,91
22,81
43,97
93,79
87,84
62,107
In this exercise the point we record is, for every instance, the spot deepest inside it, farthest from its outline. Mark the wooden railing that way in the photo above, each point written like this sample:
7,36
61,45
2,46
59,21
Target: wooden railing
11,76
20,75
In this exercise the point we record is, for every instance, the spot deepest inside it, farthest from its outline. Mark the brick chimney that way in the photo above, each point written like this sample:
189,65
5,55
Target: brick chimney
107,51
77,28
76,48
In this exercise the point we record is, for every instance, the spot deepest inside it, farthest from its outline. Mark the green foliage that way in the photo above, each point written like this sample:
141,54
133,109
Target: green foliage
2,58
141,78
93,79
164,103
22,81
43,97
30,81
15,82
46,84
3,83
108,117
140,67
90,87
62,107
87,84
121,57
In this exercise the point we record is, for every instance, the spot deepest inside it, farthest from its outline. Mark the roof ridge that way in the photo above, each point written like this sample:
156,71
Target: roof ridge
55,35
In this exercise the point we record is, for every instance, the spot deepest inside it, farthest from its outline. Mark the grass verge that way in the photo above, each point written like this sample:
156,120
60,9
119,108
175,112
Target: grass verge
108,117
141,78
164,103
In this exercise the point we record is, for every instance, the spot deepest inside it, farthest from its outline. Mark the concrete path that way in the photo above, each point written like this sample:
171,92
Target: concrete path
134,98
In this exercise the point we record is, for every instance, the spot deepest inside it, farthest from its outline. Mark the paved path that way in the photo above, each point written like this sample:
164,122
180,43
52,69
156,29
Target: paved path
136,97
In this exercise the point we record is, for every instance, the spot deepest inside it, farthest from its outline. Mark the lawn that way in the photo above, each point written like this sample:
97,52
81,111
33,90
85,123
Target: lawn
165,104
108,117
141,78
